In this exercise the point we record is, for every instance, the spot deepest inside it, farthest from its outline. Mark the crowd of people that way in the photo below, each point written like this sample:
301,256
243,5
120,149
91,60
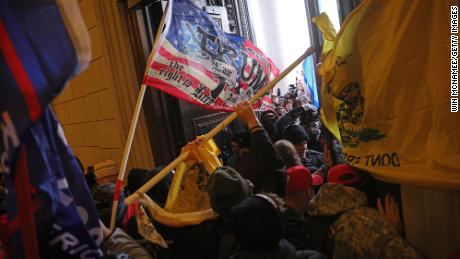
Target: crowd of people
284,193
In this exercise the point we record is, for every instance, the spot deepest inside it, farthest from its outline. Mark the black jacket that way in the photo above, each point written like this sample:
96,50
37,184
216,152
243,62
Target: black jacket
294,229
270,170
313,160
284,251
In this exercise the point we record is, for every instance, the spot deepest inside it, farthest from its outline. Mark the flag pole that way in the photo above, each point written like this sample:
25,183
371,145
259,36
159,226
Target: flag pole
132,131
152,182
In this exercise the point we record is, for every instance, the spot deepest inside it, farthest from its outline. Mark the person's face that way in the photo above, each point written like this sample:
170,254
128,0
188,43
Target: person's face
301,148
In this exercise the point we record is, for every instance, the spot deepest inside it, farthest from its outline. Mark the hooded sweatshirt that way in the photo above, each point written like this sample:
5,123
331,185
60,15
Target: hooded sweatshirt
359,231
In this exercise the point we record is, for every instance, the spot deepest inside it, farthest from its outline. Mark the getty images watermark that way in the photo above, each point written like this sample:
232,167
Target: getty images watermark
454,58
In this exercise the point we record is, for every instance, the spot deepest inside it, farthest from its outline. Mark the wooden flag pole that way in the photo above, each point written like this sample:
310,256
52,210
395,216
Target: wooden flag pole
132,131
152,182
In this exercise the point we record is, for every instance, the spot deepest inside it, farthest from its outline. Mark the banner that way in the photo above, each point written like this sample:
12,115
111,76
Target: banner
197,62
42,45
65,218
50,211
386,92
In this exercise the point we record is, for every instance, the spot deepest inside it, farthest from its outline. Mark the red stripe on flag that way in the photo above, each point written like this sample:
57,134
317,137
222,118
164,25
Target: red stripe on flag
187,62
165,87
20,74
195,81
118,187
25,207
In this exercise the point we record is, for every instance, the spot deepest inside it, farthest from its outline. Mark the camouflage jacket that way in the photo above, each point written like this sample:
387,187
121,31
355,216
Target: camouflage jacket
360,231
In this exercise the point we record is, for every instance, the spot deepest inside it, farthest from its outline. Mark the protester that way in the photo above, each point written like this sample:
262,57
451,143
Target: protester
346,175
268,120
120,245
103,199
299,138
289,118
288,153
299,183
226,187
258,231
299,190
242,159
309,119
269,167
356,231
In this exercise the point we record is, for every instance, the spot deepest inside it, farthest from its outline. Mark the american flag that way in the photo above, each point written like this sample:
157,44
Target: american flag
196,61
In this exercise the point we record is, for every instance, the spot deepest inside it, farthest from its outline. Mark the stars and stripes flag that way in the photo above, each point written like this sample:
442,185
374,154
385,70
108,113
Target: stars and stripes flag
43,43
196,61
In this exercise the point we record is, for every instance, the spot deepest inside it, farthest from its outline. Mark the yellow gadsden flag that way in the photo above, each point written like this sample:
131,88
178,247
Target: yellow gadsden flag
188,188
188,201
386,91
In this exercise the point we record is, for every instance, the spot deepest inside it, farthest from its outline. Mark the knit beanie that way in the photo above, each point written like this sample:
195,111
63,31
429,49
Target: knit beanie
226,188
256,224
295,134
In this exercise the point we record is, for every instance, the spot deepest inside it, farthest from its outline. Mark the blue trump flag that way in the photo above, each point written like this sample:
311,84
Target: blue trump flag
50,211
66,220
43,44
310,79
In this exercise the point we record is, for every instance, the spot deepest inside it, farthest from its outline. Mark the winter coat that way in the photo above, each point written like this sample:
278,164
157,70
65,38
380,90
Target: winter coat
269,167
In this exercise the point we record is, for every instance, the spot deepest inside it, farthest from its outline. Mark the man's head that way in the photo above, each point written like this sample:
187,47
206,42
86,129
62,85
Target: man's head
286,150
297,135
226,188
256,224
269,116
299,183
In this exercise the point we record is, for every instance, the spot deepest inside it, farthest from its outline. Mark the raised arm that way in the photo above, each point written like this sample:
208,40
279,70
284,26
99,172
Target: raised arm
268,165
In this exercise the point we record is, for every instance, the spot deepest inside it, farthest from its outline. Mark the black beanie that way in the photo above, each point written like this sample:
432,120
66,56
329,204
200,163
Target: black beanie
295,134
226,188
256,225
